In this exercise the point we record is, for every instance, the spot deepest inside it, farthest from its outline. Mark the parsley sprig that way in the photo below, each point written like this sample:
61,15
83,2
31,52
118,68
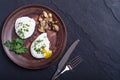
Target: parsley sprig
16,45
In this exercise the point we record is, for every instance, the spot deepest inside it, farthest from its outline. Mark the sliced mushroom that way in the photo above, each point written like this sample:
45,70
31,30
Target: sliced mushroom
50,19
50,15
46,26
55,27
40,19
45,14
41,29
43,23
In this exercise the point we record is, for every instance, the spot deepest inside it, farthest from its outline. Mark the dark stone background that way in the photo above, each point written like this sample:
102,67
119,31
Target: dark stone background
95,22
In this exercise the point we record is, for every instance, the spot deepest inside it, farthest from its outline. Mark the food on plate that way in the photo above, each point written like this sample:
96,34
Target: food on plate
24,27
47,22
40,47
16,45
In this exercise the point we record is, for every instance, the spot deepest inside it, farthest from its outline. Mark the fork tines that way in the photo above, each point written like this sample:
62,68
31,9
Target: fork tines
75,61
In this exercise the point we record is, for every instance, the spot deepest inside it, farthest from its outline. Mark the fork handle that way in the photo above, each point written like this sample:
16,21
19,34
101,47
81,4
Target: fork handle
66,69
57,76
56,73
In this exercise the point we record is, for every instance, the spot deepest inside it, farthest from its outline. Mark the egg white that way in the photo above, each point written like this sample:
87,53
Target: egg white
44,41
24,27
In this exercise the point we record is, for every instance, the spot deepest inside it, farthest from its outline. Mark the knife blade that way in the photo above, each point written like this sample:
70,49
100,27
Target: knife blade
65,58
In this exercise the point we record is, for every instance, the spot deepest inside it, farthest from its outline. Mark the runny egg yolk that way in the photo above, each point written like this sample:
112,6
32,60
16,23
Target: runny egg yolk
47,53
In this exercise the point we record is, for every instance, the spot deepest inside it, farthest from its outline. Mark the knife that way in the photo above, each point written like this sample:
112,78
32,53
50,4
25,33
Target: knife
65,58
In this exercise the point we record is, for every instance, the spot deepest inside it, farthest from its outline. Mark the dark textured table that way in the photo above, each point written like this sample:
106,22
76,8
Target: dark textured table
95,22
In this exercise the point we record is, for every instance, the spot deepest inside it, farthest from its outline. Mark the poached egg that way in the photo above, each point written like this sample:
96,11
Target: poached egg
24,27
40,47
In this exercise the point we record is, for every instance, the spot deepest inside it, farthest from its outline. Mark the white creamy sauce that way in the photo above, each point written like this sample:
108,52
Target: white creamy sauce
40,42
24,27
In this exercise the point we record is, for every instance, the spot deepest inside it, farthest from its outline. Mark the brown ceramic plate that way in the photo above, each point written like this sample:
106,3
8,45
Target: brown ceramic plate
57,39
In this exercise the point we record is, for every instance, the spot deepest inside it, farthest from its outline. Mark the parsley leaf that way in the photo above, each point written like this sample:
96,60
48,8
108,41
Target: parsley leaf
18,40
21,50
16,45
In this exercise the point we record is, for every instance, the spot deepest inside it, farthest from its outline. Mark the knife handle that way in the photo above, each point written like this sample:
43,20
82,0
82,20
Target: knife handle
56,73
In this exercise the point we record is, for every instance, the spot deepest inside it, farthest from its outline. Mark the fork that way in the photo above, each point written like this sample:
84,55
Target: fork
71,65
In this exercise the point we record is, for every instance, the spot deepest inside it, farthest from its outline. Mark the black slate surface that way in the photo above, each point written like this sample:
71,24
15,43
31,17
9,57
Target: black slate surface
95,22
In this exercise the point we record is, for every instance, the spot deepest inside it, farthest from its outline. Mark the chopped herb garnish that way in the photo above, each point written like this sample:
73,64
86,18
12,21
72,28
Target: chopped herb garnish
27,25
38,41
20,24
16,45
26,30
21,33
38,50
43,47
